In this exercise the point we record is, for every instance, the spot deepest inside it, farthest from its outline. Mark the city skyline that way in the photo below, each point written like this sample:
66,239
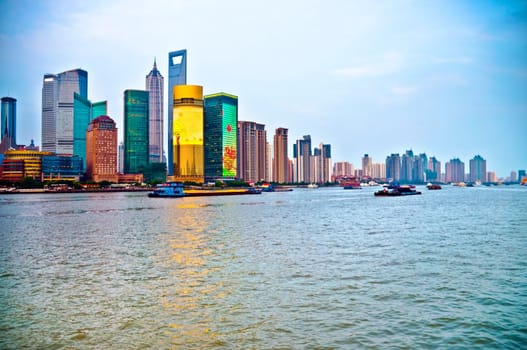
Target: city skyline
447,79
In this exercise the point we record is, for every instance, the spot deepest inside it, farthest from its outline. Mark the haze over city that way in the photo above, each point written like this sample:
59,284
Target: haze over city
446,78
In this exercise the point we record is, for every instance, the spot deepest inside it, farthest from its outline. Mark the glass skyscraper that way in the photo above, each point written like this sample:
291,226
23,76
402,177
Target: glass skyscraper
83,113
220,119
155,85
177,75
8,120
58,109
136,155
187,147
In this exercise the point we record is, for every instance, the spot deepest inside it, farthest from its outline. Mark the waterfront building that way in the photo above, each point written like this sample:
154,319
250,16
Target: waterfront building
268,161
155,85
343,169
455,171
513,177
83,113
521,175
321,164
491,177
478,169
188,139
177,75
302,158
281,164
367,166
136,131
21,163
62,167
433,172
8,124
378,171
220,136
58,109
407,164
393,167
252,151
101,150
120,158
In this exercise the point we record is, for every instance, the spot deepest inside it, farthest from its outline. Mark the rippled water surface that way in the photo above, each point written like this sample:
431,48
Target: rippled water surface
312,268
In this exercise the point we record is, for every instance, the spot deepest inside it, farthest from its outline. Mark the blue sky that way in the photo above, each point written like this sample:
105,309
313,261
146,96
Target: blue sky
448,78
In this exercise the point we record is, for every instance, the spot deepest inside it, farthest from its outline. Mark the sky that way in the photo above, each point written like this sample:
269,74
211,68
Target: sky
445,78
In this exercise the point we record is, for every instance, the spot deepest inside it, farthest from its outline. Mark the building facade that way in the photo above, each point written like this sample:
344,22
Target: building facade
281,167
188,134
155,87
220,136
177,75
8,124
433,170
62,167
252,151
302,155
101,150
83,113
367,166
136,131
478,169
455,171
393,167
58,109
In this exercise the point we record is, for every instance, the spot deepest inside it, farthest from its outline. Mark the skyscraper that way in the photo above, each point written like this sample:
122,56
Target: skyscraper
478,169
393,167
8,120
58,106
101,150
366,166
83,113
455,171
220,141
281,160
154,85
187,138
177,75
433,170
252,151
136,104
302,156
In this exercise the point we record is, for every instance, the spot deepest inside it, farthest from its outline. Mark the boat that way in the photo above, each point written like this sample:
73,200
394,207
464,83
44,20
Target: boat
312,185
168,190
397,191
221,192
177,190
433,186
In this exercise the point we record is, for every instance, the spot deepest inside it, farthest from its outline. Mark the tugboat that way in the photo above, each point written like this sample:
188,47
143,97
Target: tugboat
397,191
168,190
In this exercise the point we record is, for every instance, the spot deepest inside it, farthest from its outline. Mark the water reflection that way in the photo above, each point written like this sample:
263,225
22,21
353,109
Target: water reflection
195,292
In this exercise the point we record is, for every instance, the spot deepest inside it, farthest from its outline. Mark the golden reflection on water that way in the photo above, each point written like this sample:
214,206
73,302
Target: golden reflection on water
194,293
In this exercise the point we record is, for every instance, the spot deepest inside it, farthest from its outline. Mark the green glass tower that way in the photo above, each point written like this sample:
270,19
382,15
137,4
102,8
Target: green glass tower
83,113
136,150
220,141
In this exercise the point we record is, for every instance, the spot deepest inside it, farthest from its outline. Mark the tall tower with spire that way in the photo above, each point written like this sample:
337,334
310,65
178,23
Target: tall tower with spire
154,85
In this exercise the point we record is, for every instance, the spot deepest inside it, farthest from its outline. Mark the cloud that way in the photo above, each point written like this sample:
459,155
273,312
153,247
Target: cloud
451,79
389,63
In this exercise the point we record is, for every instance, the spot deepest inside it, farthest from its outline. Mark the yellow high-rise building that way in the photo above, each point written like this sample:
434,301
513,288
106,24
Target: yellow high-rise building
187,134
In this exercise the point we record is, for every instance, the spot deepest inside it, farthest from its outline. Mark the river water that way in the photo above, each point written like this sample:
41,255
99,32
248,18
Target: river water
307,269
